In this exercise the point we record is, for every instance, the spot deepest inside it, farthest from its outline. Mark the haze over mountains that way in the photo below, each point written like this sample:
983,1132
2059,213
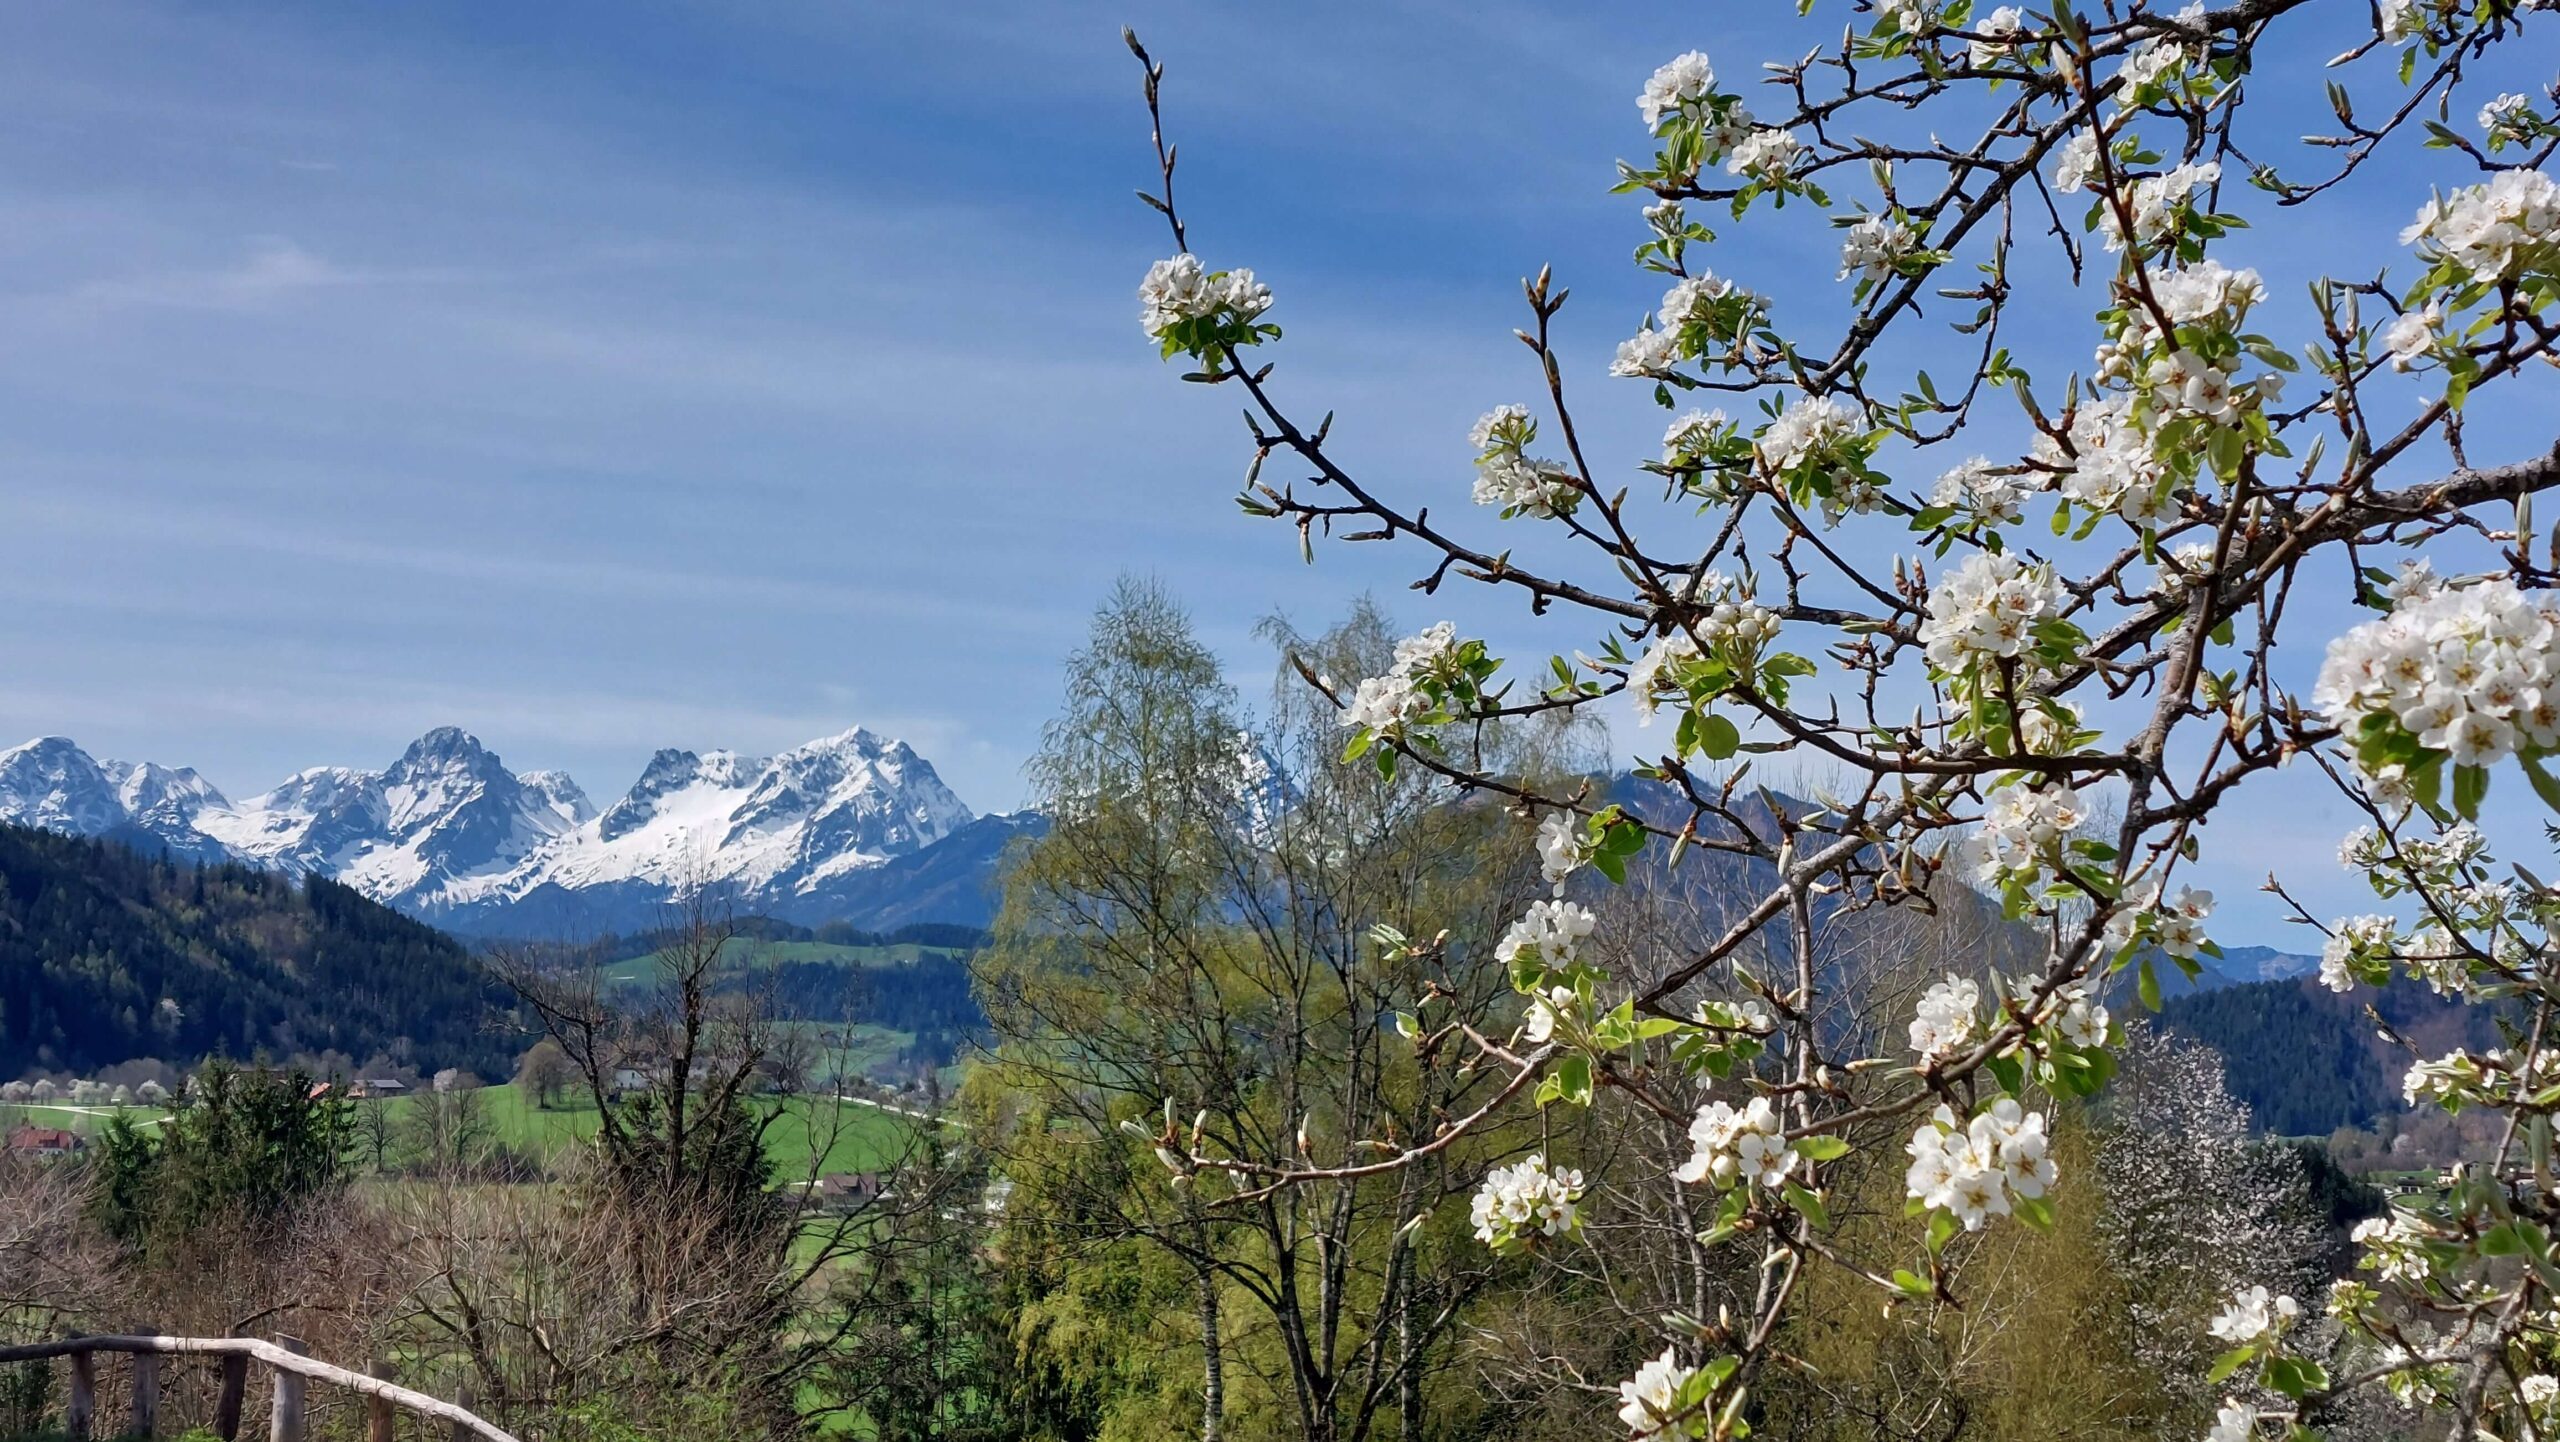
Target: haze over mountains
852,827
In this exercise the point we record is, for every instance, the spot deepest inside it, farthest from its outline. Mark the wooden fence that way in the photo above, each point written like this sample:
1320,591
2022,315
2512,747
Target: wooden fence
294,1372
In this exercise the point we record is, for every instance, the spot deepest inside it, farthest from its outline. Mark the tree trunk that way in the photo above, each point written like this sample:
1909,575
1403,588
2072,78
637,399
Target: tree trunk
1213,1366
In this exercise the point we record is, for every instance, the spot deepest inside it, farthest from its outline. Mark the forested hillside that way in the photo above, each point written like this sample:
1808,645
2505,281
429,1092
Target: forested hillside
2307,1060
107,955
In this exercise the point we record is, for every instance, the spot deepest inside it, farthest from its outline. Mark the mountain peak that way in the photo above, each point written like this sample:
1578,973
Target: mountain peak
443,746
447,832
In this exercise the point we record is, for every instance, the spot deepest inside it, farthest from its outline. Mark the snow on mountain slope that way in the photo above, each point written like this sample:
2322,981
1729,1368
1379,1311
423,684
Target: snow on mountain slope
448,833
50,782
763,827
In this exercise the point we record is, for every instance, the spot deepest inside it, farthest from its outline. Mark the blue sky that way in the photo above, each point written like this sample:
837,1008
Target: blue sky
602,377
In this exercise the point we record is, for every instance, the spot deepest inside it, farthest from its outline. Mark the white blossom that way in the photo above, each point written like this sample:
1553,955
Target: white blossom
1649,1402
2082,1021
1873,246
1911,17
1655,673
2236,1422
2076,162
1746,1144
1988,608
1766,154
1179,289
1552,930
2354,947
2506,119
2254,1317
2414,335
2022,828
2110,465
1804,429
2155,201
1945,1018
1385,705
1994,34
2401,19
1561,847
1678,86
1648,352
2471,671
1524,1201
1992,495
2491,231
1976,1170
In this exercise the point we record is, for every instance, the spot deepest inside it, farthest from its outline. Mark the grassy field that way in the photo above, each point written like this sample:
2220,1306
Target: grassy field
856,1137
87,1121
748,951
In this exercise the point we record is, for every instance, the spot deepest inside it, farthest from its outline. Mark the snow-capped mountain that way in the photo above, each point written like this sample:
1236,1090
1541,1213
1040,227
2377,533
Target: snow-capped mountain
448,833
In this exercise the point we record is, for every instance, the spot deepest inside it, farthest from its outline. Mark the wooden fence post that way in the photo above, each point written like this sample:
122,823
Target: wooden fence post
81,1412
377,1409
146,1391
235,1387
288,1421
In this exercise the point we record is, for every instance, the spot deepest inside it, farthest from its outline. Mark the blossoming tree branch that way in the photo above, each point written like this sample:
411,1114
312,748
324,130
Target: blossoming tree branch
2089,573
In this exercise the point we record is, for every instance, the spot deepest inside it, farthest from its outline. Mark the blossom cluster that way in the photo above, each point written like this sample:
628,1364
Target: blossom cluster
1384,705
2021,835
1875,246
2398,1248
2255,1317
1562,848
2359,948
1522,1203
1729,626
2107,463
1987,610
1657,1405
1820,444
1977,1170
1512,481
1702,316
1180,289
2157,204
1946,1016
2237,1421
1732,1144
1991,495
2493,231
1551,933
2175,923
2468,672
2078,1018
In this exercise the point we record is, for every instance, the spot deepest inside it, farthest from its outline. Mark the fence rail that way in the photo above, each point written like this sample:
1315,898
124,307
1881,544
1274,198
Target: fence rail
284,1357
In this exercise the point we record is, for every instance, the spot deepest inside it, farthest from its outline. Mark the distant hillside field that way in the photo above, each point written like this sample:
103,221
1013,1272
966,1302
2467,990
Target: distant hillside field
107,955
860,1136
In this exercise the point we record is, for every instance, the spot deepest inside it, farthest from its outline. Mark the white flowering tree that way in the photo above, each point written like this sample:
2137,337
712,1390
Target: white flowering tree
1999,596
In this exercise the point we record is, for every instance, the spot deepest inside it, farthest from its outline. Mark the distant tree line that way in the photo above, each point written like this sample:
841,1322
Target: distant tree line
107,954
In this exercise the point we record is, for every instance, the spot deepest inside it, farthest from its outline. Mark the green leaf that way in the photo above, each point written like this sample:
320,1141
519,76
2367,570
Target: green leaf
2036,1212
2149,987
2295,1376
1809,1204
1822,1149
1718,737
2545,785
1910,1283
2228,1363
2470,788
